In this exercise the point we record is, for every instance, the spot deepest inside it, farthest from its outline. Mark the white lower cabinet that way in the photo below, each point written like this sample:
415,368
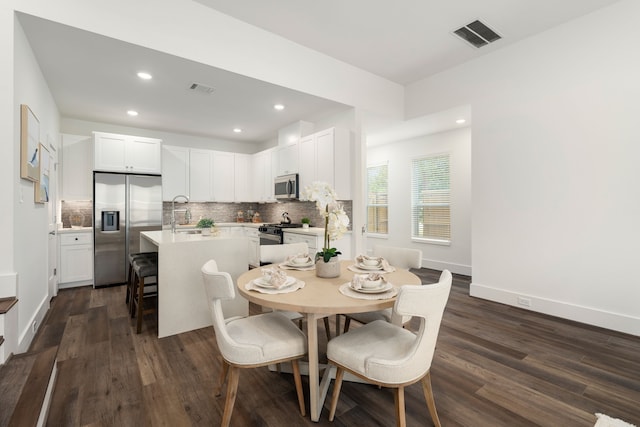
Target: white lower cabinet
76,259
254,246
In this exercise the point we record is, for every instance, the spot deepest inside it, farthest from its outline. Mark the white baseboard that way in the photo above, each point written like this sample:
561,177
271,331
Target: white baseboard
8,283
28,333
589,315
440,265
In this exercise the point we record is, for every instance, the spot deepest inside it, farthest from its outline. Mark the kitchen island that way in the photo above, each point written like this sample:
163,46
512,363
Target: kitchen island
182,303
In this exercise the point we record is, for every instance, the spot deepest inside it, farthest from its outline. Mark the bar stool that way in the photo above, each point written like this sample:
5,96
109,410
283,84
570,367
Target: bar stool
153,256
142,269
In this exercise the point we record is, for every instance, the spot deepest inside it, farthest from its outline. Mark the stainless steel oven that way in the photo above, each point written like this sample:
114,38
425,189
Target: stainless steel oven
271,234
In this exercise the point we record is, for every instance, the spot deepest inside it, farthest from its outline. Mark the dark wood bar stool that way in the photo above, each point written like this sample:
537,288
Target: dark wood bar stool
143,268
152,256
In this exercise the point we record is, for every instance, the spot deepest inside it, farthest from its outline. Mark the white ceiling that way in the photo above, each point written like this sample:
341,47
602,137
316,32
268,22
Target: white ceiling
93,77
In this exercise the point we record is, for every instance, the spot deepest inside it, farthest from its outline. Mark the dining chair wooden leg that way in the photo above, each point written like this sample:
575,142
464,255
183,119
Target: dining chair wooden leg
347,323
337,384
327,328
232,392
401,420
428,395
140,304
224,369
298,380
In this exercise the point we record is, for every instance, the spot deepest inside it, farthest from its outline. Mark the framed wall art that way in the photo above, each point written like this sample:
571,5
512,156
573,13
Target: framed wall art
29,144
41,188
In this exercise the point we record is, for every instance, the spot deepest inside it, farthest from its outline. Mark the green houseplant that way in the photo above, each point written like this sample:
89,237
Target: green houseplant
205,223
305,222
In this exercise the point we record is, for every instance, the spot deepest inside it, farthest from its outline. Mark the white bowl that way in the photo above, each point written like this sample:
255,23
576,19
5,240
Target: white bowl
371,284
370,262
300,260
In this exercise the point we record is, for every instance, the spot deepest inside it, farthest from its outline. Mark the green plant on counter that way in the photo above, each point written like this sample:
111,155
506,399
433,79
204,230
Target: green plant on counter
205,223
305,220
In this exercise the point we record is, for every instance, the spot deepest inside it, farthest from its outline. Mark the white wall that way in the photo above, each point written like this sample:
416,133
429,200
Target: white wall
30,219
554,167
457,256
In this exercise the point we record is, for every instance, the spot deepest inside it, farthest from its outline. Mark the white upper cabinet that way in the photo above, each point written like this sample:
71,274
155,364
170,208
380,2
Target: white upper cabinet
243,171
200,175
326,156
175,172
211,176
262,177
286,159
76,162
125,153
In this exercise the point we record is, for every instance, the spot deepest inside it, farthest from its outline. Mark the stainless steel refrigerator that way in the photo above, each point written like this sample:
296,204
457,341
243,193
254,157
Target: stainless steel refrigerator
123,206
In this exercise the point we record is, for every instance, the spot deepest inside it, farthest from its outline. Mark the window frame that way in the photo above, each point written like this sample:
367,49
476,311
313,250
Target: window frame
414,207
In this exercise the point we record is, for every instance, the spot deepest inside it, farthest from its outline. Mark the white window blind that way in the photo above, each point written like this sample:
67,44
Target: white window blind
377,199
430,198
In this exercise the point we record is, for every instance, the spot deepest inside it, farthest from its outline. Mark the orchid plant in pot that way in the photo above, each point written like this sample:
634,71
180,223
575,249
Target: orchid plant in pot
336,222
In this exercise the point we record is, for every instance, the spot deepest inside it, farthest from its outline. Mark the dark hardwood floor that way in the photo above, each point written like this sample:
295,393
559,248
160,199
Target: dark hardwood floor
494,366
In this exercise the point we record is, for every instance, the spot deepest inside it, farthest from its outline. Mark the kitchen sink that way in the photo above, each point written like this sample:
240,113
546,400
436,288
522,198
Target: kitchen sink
189,231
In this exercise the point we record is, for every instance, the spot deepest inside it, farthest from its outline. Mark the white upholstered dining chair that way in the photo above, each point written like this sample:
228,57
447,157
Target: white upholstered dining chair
390,356
403,258
249,342
275,254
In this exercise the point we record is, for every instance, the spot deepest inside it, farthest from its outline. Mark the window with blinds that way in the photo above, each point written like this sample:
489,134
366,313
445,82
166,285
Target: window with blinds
430,198
377,199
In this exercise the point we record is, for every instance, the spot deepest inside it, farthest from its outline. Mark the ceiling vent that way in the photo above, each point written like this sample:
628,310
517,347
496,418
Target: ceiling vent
200,88
477,34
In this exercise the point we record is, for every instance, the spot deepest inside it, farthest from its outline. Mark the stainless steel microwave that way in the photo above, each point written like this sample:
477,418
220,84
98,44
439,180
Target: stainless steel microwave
286,187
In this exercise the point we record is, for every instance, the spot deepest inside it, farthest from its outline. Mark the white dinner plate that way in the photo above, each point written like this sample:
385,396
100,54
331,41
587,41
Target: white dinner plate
369,267
265,284
380,289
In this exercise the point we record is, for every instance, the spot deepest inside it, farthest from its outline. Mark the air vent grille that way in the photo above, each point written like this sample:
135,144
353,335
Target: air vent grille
477,34
200,88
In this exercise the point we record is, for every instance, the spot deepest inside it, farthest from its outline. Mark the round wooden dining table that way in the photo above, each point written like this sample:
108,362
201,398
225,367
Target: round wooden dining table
319,298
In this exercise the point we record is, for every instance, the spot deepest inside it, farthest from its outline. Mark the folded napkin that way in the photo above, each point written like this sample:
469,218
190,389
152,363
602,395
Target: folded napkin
276,278
301,258
384,264
358,280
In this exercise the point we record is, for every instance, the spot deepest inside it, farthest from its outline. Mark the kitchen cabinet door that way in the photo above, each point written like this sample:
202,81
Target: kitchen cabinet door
125,153
175,172
76,162
200,175
222,174
262,177
287,160
307,162
76,259
143,155
242,173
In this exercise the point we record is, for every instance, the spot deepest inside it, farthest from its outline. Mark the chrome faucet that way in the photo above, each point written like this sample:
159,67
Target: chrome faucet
173,210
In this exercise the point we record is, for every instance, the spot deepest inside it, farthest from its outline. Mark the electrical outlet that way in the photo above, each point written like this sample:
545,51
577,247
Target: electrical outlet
525,302
34,326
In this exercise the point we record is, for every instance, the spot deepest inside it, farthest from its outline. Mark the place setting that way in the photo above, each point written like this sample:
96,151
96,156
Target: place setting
369,286
274,281
300,262
371,264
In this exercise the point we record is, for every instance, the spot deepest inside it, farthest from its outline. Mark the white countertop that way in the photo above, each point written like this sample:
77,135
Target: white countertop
217,224
167,237
75,230
314,231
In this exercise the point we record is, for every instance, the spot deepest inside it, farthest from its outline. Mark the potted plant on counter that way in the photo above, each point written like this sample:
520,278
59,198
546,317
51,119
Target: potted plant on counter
305,222
336,222
205,224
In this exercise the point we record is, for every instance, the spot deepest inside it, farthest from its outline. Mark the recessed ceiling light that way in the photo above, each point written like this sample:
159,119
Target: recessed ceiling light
460,121
144,75
237,130
279,107
132,113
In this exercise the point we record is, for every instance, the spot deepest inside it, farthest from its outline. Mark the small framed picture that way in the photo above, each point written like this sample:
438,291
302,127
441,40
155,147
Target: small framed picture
41,188
29,144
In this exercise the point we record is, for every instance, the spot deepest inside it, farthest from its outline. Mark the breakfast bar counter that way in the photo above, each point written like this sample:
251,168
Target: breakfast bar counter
182,303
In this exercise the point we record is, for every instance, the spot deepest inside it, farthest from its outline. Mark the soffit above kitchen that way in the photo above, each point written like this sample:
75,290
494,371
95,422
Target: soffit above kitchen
402,41
93,78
